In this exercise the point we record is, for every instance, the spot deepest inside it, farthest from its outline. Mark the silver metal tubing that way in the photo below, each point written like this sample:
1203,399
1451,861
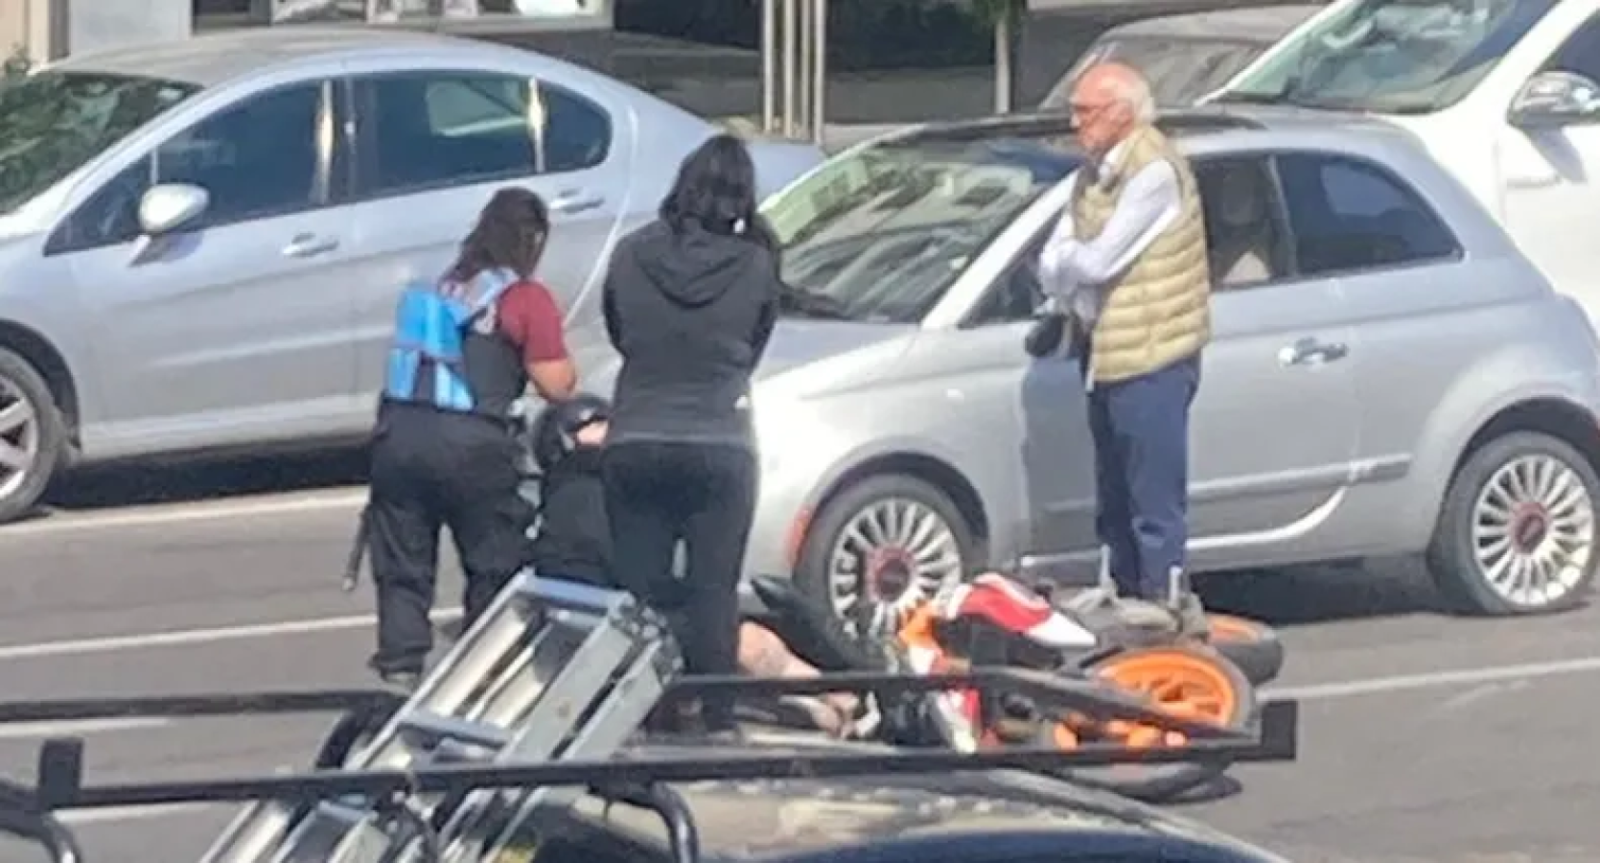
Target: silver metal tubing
802,71
769,66
1003,29
790,16
819,71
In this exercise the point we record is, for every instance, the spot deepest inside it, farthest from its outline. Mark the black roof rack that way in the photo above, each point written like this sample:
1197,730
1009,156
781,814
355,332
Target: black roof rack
32,812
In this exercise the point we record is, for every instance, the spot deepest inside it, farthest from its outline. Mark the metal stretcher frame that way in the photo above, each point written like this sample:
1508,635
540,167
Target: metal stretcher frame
31,812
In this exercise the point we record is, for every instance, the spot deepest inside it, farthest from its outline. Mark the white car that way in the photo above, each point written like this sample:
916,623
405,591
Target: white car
1504,93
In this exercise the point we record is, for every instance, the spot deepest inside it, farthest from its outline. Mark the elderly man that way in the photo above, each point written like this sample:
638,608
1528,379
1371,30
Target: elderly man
1128,263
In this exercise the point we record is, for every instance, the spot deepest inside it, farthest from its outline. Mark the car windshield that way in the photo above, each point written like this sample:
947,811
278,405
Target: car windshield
55,121
1180,71
1391,56
879,234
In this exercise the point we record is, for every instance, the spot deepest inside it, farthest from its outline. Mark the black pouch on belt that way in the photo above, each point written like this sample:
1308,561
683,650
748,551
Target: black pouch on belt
1046,335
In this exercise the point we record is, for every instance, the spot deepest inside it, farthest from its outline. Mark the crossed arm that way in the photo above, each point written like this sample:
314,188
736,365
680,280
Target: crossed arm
1072,271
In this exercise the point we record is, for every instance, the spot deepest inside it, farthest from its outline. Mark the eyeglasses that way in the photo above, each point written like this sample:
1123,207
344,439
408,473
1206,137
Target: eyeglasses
1087,112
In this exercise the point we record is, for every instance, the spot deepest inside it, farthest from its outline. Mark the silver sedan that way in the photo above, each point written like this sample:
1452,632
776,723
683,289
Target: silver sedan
1388,376
201,242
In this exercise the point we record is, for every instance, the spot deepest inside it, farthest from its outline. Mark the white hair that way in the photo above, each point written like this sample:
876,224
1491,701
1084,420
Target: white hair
1134,91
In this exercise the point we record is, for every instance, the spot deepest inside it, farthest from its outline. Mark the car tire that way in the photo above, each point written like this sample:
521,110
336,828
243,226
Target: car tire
20,380
1490,478
1252,647
857,501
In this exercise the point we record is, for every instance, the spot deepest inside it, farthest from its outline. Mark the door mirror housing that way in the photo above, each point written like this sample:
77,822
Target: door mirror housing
171,206
1551,100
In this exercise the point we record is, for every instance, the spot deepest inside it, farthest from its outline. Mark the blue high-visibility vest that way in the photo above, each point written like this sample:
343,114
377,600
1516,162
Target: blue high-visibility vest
433,320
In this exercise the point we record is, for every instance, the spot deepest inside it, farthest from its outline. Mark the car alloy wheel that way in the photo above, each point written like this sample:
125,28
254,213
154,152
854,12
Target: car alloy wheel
19,438
892,555
1533,525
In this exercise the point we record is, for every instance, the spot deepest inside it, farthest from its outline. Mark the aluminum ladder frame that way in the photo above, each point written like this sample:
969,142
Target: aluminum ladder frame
553,671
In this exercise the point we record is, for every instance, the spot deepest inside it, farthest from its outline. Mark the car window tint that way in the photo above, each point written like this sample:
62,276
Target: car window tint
256,159
1349,214
1245,237
1580,54
433,130
110,216
273,136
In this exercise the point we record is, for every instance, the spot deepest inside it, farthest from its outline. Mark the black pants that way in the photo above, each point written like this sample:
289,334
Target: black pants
431,470
704,495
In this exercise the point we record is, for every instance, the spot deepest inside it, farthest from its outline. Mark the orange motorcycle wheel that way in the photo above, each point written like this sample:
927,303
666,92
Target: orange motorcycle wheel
1195,683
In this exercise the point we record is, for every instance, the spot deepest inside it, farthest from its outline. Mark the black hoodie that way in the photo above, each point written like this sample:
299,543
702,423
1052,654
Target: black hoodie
690,312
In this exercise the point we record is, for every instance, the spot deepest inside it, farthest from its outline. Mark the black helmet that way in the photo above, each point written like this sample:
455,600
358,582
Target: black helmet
553,431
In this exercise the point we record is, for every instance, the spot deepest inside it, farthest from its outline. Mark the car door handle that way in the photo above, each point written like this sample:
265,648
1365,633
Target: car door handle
309,246
1312,352
575,201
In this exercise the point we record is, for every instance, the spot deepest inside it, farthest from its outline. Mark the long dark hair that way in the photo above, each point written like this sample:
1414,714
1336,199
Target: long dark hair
715,190
510,234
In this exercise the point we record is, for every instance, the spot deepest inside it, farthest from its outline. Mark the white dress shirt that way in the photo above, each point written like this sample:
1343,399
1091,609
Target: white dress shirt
1075,274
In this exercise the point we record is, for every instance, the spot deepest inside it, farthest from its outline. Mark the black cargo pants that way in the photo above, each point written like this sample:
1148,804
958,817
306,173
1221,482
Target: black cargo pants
432,469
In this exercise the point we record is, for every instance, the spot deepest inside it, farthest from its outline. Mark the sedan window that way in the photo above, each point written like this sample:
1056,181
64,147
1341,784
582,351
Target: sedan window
1580,54
255,159
431,130
1349,214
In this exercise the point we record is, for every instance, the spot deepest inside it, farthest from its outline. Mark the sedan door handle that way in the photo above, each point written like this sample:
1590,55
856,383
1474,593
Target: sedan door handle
309,246
575,201
1312,352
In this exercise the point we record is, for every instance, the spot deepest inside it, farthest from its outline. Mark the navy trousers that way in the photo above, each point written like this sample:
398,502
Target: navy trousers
1141,466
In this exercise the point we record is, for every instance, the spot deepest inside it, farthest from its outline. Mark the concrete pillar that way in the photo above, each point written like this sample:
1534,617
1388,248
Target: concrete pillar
31,28
48,29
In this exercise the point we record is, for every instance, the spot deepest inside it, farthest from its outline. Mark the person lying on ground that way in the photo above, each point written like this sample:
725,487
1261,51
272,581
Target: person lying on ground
573,542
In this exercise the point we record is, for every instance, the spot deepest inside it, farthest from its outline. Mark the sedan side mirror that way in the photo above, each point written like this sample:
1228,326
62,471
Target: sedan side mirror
1551,100
170,206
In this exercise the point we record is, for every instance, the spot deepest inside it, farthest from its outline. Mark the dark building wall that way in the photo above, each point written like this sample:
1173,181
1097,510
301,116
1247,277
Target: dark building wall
863,34
890,60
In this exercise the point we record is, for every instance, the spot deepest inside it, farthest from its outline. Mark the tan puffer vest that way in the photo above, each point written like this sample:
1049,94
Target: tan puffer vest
1159,312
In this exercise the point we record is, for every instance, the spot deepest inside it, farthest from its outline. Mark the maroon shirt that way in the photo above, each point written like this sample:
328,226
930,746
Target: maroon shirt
529,317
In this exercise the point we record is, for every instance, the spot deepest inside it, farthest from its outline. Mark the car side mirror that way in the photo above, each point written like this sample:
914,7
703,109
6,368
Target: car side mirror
170,206
1551,100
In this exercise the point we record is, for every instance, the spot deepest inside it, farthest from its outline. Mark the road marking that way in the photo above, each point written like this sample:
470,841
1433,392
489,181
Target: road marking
155,515
14,730
1437,679
191,637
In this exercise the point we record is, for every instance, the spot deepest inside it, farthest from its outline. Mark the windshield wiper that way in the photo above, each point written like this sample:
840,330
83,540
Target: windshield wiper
810,304
1291,98
1241,98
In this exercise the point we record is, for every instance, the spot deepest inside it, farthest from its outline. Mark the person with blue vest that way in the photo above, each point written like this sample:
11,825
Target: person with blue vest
466,347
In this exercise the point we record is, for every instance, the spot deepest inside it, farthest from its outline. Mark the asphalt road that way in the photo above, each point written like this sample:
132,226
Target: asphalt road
1426,738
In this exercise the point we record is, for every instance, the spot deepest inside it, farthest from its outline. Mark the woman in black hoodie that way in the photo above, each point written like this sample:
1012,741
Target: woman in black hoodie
690,301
